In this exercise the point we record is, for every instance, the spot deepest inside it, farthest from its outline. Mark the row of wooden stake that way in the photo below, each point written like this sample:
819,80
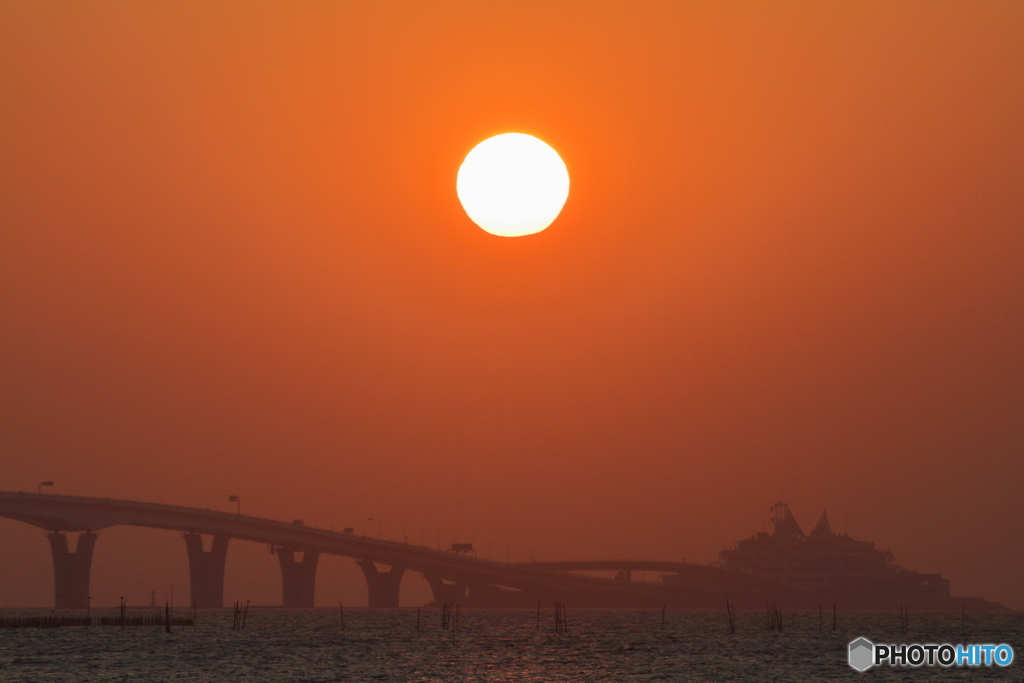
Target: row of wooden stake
450,617
774,613
240,613
561,622
773,617
449,620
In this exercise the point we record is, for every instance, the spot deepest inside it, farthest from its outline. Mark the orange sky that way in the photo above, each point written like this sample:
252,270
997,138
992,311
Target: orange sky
232,261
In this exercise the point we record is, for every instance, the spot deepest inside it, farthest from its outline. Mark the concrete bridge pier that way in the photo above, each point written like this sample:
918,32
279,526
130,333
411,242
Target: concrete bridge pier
446,592
206,569
71,570
298,579
382,587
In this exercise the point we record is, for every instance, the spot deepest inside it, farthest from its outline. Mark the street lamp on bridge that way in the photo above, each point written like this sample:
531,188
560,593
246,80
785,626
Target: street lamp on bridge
238,501
44,483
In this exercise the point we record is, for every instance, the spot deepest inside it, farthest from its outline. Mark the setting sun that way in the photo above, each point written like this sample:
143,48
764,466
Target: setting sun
513,184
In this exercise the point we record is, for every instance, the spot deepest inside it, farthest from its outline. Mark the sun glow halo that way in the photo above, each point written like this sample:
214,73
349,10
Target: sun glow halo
513,184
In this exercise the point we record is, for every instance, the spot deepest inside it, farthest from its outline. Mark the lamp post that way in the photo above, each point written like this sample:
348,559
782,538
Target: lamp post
44,483
368,519
238,501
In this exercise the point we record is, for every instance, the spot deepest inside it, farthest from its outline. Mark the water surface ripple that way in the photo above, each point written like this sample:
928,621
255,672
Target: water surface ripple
492,645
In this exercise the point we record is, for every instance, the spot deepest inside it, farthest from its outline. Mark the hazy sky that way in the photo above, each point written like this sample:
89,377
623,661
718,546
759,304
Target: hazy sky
232,261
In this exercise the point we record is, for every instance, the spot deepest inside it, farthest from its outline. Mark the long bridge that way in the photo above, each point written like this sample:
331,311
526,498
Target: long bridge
453,577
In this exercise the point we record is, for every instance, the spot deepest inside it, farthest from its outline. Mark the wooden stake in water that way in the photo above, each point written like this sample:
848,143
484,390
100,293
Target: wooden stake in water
833,617
538,616
904,618
167,617
663,605
341,610
417,620
774,617
455,625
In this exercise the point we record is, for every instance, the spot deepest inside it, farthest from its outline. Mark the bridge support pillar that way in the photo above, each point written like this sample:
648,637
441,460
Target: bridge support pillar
206,569
298,579
445,592
71,570
382,587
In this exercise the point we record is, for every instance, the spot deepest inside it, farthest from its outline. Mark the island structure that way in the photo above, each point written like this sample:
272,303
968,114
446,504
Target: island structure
807,571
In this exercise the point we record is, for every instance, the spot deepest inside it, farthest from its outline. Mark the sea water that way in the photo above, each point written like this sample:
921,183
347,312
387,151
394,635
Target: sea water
495,645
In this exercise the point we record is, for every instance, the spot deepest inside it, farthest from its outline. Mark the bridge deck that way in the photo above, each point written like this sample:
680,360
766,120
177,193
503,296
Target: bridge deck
79,513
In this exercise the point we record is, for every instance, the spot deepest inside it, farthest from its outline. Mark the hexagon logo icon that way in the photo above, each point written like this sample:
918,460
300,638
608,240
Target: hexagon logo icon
862,654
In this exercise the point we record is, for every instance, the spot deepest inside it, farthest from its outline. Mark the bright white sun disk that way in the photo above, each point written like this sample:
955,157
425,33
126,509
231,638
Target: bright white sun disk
513,184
